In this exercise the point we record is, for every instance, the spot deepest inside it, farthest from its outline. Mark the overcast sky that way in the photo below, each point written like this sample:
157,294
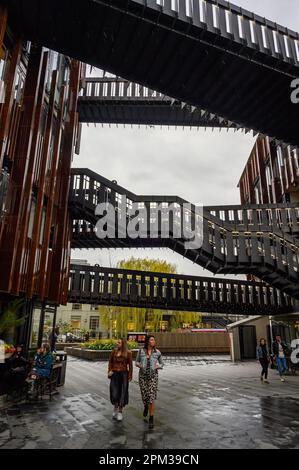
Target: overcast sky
200,166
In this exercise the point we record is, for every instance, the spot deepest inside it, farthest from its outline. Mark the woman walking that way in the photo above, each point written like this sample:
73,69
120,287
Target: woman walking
262,355
149,360
120,371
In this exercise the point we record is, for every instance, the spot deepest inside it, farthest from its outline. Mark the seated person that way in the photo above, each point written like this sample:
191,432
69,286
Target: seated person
43,362
17,369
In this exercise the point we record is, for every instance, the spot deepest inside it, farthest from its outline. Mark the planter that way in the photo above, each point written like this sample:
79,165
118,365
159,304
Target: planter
92,355
62,346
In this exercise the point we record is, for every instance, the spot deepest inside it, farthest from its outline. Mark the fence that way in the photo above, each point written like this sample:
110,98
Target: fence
204,342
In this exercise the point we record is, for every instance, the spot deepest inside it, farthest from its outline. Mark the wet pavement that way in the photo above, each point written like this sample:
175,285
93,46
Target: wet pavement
202,403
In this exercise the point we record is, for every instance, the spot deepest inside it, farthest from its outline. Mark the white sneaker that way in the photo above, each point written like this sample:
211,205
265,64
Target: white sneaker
119,416
282,379
114,414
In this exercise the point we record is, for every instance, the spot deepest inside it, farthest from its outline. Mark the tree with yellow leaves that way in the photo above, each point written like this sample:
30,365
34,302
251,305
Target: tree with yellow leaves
119,320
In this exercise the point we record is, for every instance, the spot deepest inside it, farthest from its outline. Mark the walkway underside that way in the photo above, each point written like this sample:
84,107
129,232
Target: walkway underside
153,290
257,240
117,101
219,58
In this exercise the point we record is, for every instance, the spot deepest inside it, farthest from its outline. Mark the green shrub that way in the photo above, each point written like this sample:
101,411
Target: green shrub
106,345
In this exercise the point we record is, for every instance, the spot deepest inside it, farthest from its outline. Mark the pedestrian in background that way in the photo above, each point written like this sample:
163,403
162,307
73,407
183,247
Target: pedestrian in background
279,350
263,356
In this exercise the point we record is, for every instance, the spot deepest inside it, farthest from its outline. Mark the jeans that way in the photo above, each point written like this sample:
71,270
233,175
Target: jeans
264,363
281,365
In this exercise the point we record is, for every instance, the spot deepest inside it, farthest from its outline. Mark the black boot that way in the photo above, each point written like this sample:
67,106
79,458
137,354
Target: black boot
145,411
151,422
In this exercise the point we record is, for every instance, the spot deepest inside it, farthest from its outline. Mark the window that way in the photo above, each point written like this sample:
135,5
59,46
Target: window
268,175
2,89
279,157
42,229
163,325
280,163
86,181
257,194
297,49
2,67
54,60
295,154
269,183
94,307
76,322
31,218
94,323
77,307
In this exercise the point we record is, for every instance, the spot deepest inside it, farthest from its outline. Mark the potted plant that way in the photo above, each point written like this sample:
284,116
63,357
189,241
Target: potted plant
9,320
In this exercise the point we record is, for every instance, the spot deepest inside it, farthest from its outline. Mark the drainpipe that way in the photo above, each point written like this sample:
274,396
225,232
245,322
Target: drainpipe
271,331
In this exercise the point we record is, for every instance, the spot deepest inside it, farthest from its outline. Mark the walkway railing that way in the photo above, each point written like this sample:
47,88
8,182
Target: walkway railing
102,285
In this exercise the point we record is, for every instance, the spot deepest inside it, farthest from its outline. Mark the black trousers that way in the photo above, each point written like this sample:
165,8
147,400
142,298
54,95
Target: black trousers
119,389
14,380
265,364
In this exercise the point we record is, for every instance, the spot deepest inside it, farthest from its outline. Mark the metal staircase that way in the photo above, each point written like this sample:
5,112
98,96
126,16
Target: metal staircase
258,240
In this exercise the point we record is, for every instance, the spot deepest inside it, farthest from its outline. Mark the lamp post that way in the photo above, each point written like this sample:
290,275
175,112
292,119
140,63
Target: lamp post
110,325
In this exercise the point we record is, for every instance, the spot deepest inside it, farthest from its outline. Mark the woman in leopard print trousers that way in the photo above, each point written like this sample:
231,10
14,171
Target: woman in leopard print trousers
149,361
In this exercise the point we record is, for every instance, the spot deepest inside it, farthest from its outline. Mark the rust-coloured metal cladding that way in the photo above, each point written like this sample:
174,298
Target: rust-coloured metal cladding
38,126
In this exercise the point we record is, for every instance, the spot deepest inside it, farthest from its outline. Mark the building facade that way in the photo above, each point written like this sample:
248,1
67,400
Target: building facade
38,136
271,174
82,319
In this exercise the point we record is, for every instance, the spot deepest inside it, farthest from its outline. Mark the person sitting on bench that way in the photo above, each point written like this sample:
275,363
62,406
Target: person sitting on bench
17,370
43,362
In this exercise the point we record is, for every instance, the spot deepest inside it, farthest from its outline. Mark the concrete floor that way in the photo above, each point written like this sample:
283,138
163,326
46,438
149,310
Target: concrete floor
202,403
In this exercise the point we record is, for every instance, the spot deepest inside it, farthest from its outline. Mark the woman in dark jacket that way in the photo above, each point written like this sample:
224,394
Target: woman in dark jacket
43,362
18,367
42,367
262,355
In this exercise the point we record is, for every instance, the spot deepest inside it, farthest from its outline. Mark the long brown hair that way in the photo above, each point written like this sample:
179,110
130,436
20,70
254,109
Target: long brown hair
46,348
124,347
262,340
